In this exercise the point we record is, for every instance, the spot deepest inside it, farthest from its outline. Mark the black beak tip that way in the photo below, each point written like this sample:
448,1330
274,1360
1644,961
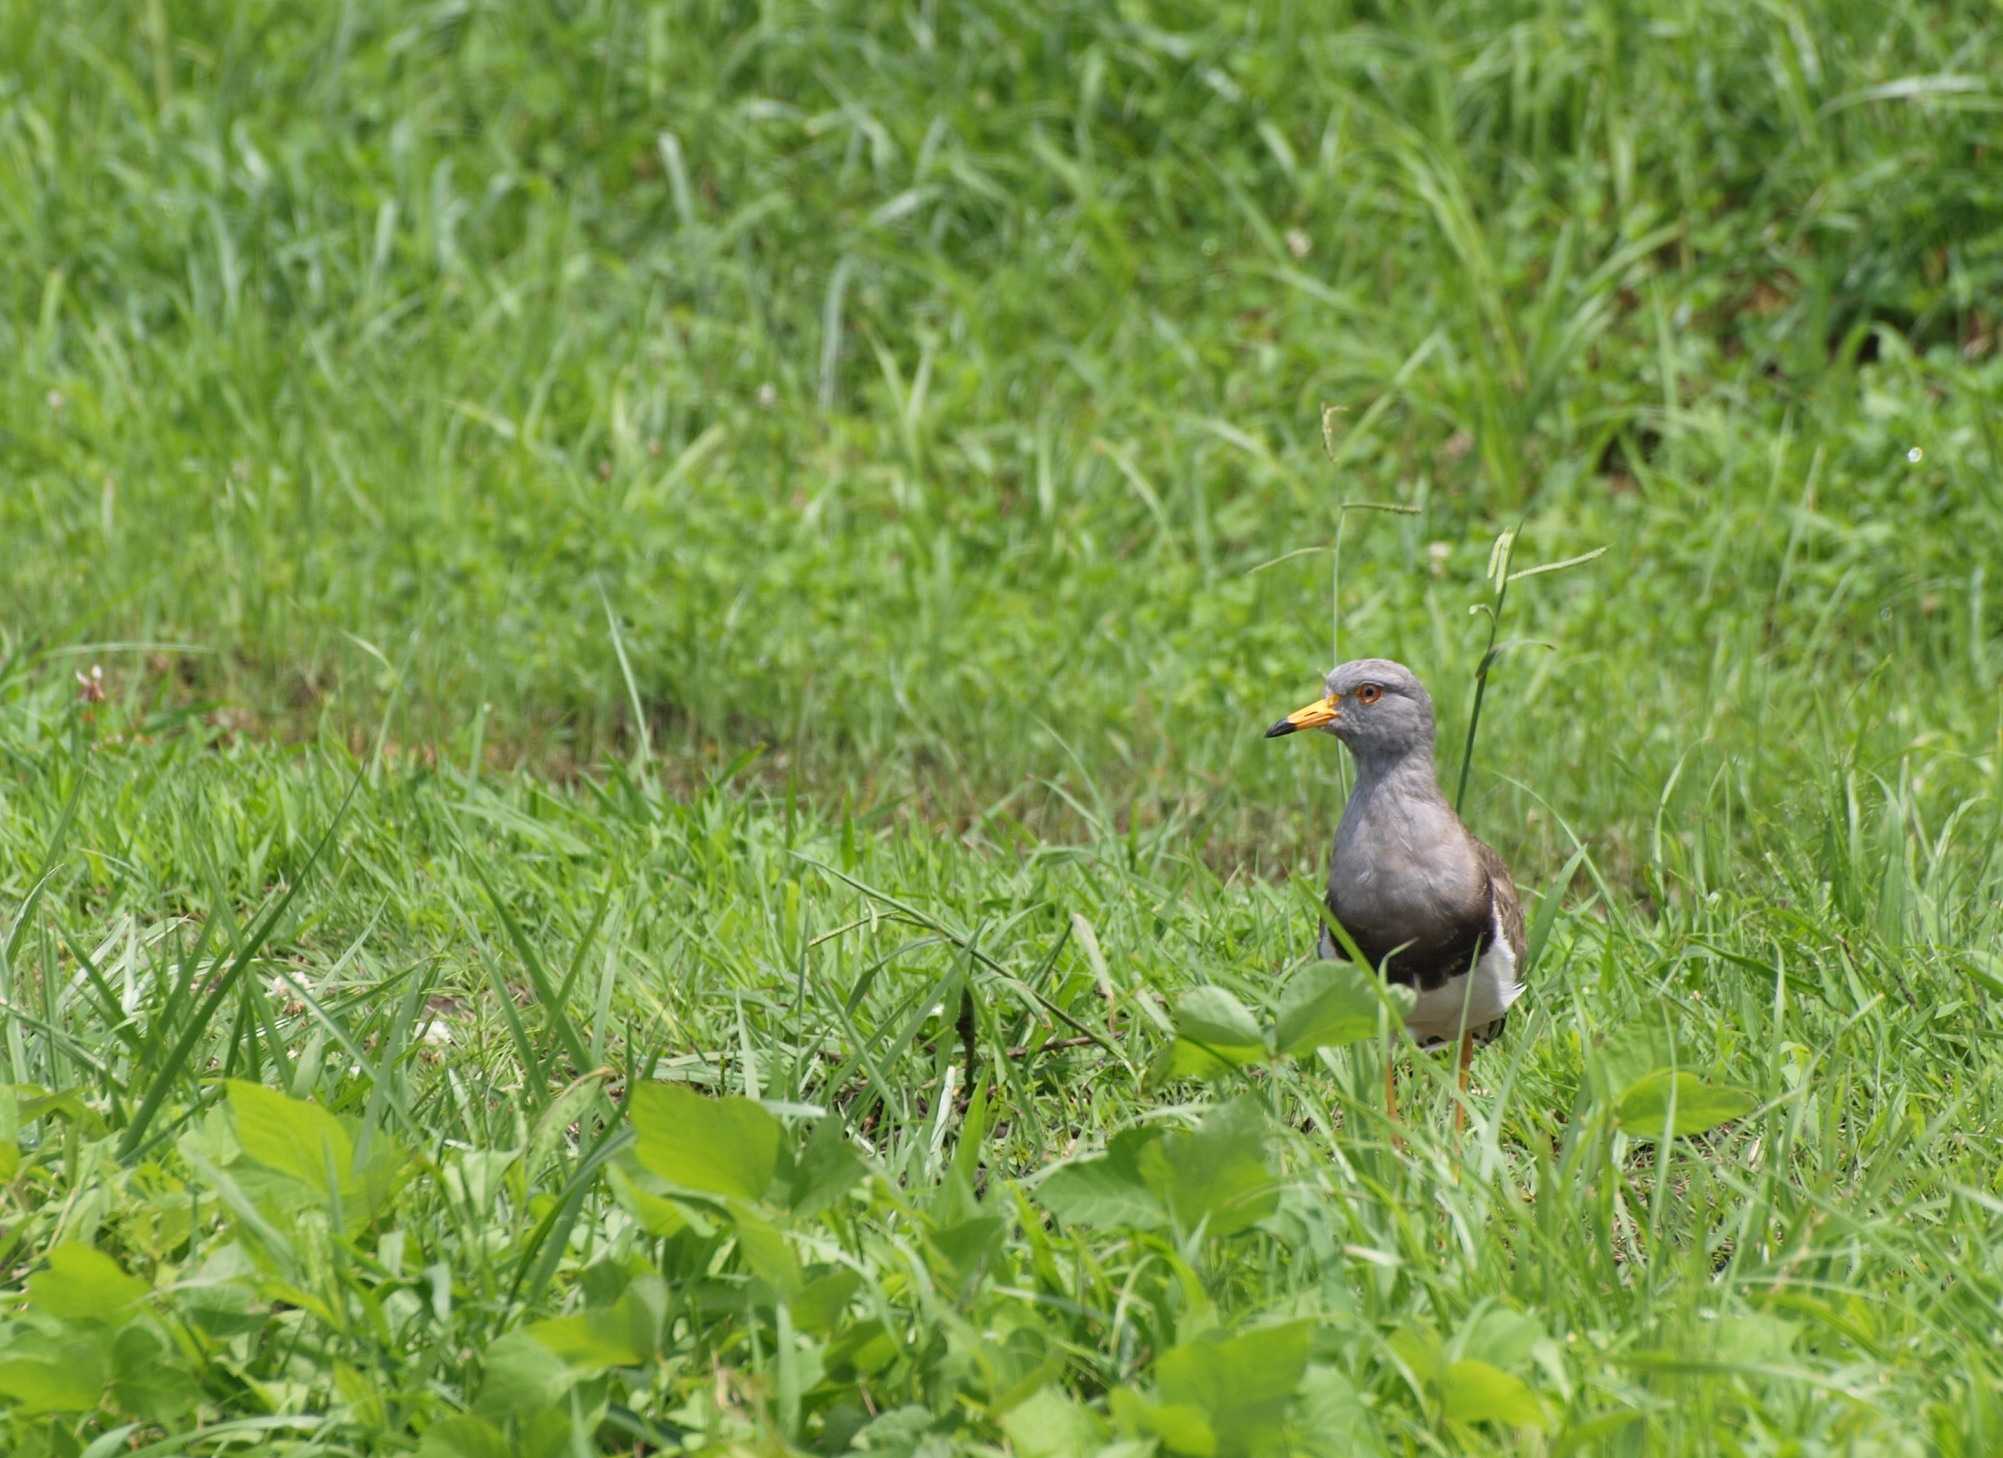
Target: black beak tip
1283,727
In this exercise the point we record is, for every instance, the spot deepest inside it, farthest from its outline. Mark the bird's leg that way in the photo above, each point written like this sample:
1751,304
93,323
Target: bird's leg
1460,1106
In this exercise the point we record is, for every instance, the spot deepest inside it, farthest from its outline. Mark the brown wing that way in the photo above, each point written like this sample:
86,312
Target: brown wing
1508,905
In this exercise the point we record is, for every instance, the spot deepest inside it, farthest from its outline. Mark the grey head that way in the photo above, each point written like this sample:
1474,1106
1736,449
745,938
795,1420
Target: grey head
1375,706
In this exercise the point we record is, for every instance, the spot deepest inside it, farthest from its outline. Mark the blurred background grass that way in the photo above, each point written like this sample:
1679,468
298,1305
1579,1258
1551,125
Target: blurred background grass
919,385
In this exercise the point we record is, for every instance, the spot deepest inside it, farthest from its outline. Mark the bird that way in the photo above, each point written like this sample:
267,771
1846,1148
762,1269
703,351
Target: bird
1418,894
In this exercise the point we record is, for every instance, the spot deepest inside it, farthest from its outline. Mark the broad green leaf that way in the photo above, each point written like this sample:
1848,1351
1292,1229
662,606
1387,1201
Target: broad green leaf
82,1283
900,1430
1698,1105
69,1382
523,1376
624,1334
1214,1034
464,1436
220,1295
821,1302
1220,1370
1501,1337
823,1171
1212,1016
1242,1382
293,1136
375,1177
1181,1429
550,1433
867,1346
32,1102
1475,1392
1107,1191
766,1250
1329,1404
1419,1348
725,1146
1015,1364
657,1214
1325,1005
1635,1050
10,1160
1048,1424
967,1247
1754,1336
1215,1175
146,1379
298,1140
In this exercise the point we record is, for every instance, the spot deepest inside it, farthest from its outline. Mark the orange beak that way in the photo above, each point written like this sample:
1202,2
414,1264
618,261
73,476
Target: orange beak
1316,714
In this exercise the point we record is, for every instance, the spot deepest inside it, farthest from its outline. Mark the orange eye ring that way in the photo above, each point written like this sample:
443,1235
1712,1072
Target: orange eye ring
1370,693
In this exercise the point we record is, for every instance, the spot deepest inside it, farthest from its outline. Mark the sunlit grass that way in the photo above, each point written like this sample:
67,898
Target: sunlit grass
480,971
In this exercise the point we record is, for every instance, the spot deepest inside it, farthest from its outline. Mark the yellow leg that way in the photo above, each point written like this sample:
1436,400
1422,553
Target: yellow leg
1460,1104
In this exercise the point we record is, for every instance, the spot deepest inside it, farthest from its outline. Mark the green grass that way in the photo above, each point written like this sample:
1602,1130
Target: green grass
632,548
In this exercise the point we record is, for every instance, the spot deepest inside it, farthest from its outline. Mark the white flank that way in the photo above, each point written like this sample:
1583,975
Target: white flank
1469,1002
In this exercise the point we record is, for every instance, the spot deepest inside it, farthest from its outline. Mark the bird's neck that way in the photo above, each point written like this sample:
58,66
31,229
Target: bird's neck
1408,775
1400,851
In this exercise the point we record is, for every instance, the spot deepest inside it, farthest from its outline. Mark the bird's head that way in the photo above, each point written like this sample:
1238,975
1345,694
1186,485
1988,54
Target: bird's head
1377,707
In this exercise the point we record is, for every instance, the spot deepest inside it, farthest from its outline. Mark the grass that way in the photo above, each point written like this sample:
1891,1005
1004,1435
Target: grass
632,550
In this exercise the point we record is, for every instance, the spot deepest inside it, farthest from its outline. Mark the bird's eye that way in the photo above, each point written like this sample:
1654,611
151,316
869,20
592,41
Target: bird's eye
1369,694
